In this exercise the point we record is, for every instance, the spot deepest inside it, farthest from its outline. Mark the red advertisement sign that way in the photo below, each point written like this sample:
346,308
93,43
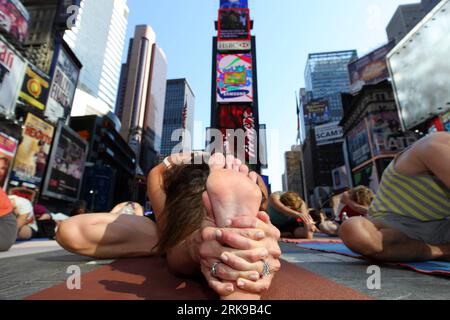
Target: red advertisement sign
14,19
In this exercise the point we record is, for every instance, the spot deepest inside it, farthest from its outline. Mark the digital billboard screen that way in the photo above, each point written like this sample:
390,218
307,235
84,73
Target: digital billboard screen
370,69
420,66
35,87
358,145
234,78
67,161
233,4
14,19
234,24
8,148
317,112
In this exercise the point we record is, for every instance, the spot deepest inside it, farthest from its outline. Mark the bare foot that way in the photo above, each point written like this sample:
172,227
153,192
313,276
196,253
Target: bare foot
231,190
128,208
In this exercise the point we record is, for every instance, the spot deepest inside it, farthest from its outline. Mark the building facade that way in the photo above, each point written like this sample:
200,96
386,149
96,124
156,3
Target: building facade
141,96
407,17
98,40
294,171
178,114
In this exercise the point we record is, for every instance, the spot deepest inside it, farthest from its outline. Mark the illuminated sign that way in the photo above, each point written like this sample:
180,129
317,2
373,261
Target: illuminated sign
244,45
234,78
234,24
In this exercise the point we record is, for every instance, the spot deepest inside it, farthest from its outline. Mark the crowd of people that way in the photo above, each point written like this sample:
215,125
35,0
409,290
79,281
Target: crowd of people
215,217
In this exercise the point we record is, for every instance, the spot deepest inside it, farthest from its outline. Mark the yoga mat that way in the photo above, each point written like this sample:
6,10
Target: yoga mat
430,267
149,279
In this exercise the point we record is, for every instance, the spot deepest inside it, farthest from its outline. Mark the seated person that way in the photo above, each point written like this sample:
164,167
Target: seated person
235,261
409,220
290,214
26,223
8,225
354,203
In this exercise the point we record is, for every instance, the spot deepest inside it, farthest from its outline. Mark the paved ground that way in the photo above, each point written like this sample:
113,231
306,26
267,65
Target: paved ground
28,273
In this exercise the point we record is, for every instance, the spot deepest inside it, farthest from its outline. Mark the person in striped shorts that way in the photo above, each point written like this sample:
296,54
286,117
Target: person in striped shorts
409,219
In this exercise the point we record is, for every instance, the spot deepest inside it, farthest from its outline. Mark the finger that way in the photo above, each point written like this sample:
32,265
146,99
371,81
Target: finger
244,239
237,263
225,273
264,217
253,256
258,287
222,289
255,223
211,234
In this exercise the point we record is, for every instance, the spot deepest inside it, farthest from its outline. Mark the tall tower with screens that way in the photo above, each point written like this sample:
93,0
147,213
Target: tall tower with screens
234,94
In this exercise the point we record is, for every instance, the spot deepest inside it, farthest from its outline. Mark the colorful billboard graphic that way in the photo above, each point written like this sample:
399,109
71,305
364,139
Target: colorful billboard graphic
234,24
35,87
31,160
8,148
234,78
67,162
233,4
358,145
64,84
14,19
317,112
387,136
328,133
446,121
370,69
12,68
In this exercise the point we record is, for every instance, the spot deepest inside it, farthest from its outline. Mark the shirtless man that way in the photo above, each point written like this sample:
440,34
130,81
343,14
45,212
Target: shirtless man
409,219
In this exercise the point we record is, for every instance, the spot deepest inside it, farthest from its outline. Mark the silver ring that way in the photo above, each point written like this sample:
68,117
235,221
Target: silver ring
214,269
266,269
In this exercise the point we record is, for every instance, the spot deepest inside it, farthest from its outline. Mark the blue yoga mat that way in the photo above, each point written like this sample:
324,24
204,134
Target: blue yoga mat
430,267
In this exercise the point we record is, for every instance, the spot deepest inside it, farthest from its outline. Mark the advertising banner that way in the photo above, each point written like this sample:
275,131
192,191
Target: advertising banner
62,89
235,117
317,112
8,148
12,68
367,177
233,4
370,69
446,121
340,178
31,160
358,145
420,66
329,133
35,87
243,45
67,161
234,78
387,135
14,19
234,24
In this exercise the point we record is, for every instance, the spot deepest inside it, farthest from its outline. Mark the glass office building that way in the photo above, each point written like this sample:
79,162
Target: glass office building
326,76
98,40
178,114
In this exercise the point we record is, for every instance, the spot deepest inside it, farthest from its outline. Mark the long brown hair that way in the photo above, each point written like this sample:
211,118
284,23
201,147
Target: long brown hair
183,211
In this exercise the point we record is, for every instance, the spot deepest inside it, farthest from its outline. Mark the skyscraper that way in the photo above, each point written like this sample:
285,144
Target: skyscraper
407,17
178,114
141,96
98,40
326,76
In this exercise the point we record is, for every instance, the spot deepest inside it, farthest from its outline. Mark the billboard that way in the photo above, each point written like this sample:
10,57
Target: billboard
446,121
64,83
67,161
368,177
14,19
241,45
387,135
12,68
317,112
233,4
234,78
35,87
234,24
329,133
340,178
234,117
420,66
8,148
370,69
31,159
358,145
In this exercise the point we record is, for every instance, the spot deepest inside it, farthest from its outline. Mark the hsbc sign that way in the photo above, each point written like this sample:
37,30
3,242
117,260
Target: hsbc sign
329,133
244,45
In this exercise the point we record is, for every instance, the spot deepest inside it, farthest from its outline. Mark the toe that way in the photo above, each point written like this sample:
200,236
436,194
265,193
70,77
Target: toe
254,177
217,161
244,169
230,162
237,165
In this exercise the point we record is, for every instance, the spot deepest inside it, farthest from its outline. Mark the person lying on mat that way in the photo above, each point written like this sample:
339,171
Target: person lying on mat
354,203
186,204
409,220
290,214
8,224
26,222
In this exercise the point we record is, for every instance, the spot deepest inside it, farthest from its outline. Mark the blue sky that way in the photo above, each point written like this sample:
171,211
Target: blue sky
286,31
